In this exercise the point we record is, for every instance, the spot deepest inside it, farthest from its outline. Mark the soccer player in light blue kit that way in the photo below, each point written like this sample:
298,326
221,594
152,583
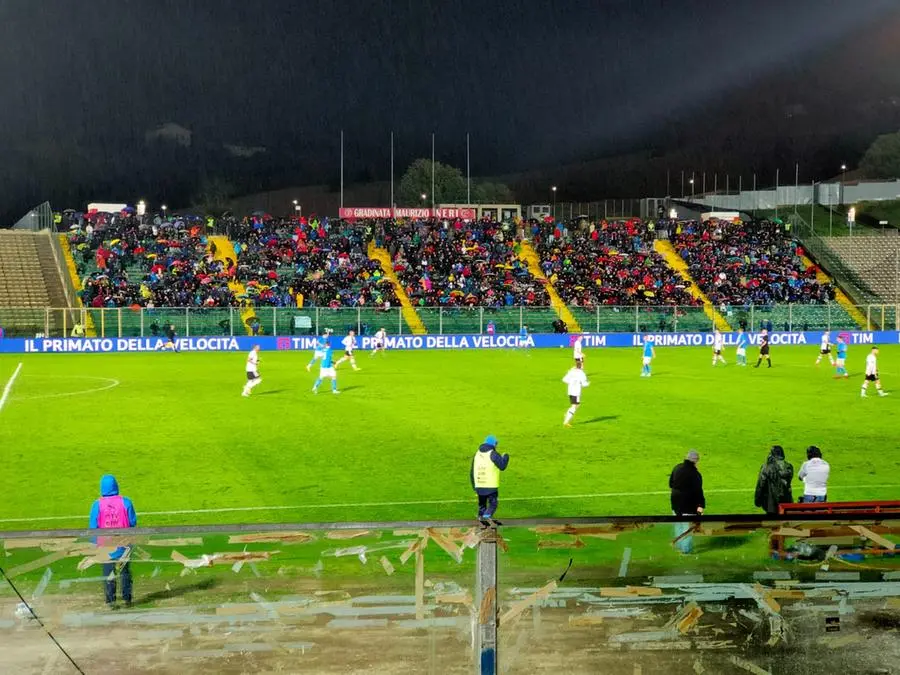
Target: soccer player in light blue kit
322,344
841,357
649,354
326,369
742,342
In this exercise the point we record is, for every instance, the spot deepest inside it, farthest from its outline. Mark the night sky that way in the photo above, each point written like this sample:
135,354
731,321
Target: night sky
536,84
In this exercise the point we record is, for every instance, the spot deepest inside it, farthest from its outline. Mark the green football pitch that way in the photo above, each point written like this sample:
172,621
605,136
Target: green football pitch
398,441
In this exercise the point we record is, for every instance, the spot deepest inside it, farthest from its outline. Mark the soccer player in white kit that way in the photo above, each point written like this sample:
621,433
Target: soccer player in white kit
825,348
575,380
718,348
577,352
253,377
380,342
349,343
872,373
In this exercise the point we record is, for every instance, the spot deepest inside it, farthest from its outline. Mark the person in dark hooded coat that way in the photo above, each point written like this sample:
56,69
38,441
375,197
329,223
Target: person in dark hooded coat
773,487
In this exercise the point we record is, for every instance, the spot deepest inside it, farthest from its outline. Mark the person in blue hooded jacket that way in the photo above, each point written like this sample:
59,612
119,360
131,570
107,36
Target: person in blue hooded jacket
114,512
485,476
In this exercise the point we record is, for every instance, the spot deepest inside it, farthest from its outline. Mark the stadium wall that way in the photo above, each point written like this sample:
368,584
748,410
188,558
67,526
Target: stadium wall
422,342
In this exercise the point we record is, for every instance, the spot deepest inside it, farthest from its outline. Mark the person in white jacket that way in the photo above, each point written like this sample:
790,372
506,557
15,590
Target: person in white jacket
814,474
575,380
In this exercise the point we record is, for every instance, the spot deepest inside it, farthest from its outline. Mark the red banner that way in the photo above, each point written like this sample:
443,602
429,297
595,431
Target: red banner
387,212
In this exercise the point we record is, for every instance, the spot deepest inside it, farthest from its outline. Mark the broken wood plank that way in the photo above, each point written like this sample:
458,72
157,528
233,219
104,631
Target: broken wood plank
272,538
586,620
184,541
573,542
415,547
347,534
749,667
685,618
454,599
386,564
791,532
444,542
767,598
487,604
629,591
420,585
517,608
54,544
785,594
884,542
43,561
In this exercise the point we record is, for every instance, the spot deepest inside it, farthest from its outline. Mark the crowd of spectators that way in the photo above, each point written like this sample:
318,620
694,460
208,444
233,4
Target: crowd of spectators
326,262
124,261
444,263
607,263
742,263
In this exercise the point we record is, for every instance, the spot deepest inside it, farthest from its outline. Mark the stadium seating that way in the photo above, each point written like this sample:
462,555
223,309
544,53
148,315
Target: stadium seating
747,263
603,271
874,259
461,265
29,283
324,261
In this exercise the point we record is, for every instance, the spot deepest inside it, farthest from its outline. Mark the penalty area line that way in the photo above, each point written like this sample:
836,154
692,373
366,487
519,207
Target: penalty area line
428,502
9,386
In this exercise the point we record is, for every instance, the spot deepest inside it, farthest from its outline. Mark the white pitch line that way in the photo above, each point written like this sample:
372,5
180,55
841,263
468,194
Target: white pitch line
9,385
241,509
111,384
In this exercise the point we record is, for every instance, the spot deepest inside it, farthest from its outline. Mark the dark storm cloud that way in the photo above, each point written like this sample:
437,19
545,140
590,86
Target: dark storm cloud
533,82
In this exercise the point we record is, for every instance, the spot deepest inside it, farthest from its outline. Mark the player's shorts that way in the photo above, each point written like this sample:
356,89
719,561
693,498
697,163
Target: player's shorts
827,350
840,361
326,372
741,351
252,376
379,344
318,354
872,378
718,352
764,351
647,360
579,360
574,400
348,352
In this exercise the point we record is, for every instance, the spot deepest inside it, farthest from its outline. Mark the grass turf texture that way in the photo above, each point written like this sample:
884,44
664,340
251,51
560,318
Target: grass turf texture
178,435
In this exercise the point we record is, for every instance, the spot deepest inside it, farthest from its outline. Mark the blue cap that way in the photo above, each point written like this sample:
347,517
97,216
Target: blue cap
491,440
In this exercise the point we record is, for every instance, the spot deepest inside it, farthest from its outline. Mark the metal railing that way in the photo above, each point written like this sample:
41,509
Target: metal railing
287,321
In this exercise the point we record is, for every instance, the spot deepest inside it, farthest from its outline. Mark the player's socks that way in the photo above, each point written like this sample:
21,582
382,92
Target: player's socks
569,414
334,389
316,385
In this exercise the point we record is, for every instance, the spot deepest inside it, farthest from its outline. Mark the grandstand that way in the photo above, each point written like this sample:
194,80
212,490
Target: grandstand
30,282
136,275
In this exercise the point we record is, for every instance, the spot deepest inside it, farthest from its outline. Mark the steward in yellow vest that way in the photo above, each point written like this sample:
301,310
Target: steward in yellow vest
485,476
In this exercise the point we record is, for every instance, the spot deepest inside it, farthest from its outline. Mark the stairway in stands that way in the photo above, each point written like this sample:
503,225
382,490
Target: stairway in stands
412,318
529,256
30,283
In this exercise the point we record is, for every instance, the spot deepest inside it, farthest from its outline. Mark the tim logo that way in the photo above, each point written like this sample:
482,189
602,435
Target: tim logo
283,343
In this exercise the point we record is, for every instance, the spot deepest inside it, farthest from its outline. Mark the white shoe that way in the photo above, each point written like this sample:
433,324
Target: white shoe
335,391
883,393
315,391
862,396
245,394
355,368
308,367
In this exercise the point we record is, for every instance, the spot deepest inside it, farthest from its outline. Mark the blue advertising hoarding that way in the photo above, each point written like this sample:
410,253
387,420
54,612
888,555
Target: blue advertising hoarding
418,342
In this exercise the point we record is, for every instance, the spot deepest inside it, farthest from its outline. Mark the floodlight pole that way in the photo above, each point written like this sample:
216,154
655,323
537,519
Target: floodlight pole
485,605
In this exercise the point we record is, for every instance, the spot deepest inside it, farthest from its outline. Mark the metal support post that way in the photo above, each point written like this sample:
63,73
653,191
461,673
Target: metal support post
486,612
